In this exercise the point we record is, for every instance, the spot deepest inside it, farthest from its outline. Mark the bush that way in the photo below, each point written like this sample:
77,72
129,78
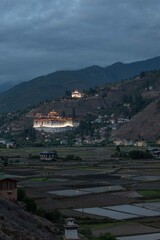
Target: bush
72,157
138,154
21,194
106,236
53,216
31,206
87,233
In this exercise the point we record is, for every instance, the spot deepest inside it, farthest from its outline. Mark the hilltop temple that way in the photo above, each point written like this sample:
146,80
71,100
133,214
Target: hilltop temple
76,94
53,123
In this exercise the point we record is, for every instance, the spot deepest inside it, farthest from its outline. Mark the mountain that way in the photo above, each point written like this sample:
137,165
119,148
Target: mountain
55,84
143,126
16,224
142,94
137,99
5,86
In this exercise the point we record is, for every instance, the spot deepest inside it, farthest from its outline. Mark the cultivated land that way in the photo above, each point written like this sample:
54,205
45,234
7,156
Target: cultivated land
96,181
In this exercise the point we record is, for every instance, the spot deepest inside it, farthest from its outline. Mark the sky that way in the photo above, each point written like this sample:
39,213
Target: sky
38,37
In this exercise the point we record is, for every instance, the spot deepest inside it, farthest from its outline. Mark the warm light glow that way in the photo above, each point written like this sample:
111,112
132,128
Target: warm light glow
52,122
76,94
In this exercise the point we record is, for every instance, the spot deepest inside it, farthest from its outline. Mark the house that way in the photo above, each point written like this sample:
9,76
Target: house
158,142
3,141
8,189
10,144
7,143
48,156
140,144
155,152
124,142
71,230
76,94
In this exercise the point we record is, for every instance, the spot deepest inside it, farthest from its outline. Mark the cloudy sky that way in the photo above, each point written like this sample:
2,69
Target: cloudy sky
41,36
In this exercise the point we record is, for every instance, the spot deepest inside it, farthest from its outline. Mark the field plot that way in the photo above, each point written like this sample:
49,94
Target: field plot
126,211
10,176
103,189
82,191
130,209
151,205
153,236
148,178
107,213
149,192
68,192
131,194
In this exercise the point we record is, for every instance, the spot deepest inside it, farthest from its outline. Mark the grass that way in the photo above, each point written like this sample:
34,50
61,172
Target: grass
38,179
149,192
89,168
100,225
86,153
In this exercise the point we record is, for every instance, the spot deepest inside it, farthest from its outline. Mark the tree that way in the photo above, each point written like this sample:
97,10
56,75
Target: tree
142,74
63,114
89,235
21,194
106,236
68,94
31,206
53,216
118,149
5,160
73,113
138,154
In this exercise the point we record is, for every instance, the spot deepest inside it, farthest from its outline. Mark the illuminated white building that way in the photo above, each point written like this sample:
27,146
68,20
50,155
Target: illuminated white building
53,123
76,94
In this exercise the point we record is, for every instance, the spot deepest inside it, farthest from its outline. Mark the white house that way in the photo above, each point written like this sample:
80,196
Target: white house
76,94
71,230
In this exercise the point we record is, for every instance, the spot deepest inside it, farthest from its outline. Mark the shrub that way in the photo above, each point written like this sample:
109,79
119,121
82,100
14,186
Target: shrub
31,206
21,194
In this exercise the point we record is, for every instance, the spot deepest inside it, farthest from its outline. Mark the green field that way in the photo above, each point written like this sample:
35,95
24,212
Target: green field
149,192
85,153
40,179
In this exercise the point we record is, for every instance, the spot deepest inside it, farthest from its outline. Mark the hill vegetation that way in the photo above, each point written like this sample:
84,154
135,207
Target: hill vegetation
128,109
56,84
16,223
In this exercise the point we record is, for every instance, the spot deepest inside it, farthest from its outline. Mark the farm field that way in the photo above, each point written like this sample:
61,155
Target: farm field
96,181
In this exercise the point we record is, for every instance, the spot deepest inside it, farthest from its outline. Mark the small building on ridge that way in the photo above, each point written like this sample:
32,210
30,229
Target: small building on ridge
76,94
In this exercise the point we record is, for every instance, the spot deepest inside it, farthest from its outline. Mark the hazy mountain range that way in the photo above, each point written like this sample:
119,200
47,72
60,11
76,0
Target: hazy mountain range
55,84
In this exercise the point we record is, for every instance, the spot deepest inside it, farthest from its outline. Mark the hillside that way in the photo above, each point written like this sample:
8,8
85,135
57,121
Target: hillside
55,84
143,126
18,224
107,98
144,106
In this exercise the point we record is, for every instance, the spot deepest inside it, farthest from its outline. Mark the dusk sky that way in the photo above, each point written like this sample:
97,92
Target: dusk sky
38,37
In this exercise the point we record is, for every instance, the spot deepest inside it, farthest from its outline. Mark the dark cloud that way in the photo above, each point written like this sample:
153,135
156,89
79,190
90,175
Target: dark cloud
39,37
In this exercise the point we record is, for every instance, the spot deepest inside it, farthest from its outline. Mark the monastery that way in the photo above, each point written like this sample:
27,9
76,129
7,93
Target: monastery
76,94
53,123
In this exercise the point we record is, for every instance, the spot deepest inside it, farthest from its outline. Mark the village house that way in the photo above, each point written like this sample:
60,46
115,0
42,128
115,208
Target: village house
158,142
8,189
155,152
48,156
123,142
7,143
140,144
